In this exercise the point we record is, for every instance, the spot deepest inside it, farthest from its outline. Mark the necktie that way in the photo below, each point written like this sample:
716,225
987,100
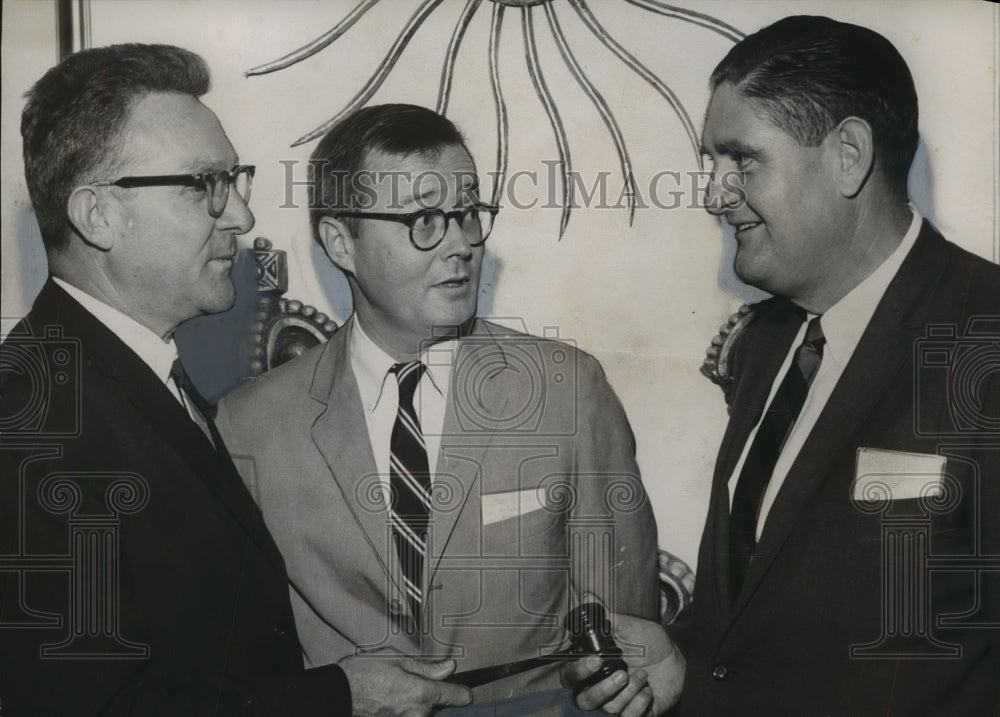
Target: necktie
200,410
410,486
774,428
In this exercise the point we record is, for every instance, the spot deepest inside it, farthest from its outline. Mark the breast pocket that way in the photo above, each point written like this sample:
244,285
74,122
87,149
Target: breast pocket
533,531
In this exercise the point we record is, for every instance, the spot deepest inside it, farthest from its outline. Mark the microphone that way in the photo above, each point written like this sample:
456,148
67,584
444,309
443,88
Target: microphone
590,634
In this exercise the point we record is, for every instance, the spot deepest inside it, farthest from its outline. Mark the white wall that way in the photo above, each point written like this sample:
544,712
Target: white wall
27,48
645,299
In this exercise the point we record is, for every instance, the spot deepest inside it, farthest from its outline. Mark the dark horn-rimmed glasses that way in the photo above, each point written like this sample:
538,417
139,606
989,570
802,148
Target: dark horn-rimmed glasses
428,226
215,184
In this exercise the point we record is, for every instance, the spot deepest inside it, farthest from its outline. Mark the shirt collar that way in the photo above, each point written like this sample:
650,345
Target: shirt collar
439,360
371,365
845,321
156,353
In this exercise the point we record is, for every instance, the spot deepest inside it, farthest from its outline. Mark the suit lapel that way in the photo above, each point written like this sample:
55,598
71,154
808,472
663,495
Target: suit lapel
463,453
153,401
884,349
340,434
762,356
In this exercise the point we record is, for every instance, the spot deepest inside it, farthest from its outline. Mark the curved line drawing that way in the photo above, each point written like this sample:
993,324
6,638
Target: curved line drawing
604,109
640,69
697,18
503,127
384,68
316,45
542,90
600,104
448,70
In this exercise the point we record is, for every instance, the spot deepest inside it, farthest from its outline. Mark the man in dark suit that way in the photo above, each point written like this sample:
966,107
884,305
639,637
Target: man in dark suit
516,489
850,563
849,560
136,574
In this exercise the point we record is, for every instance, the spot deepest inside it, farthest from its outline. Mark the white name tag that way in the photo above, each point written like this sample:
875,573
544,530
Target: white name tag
510,504
895,475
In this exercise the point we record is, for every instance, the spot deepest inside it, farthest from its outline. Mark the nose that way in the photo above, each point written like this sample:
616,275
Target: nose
237,216
724,192
455,242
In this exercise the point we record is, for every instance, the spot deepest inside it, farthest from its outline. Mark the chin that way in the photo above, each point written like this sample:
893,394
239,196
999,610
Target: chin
447,325
454,315
751,273
743,272
219,302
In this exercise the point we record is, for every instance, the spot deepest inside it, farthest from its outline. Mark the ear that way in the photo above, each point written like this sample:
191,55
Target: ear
338,242
87,211
854,155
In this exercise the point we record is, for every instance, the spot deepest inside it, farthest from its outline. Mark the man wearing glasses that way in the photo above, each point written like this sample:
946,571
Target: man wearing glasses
438,484
136,574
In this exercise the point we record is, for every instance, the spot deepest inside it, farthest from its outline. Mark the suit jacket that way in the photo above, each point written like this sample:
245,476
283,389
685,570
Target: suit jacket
531,420
136,574
829,621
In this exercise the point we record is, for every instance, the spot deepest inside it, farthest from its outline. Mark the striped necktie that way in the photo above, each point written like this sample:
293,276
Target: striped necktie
410,486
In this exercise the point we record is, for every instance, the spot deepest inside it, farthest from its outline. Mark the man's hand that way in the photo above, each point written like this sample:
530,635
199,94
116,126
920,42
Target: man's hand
654,680
401,687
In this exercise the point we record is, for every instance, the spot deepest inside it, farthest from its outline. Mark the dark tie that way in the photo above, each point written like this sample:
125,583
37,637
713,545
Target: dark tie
763,454
201,407
410,486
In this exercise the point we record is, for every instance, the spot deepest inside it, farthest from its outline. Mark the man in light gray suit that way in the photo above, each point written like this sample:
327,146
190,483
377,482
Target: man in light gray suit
438,484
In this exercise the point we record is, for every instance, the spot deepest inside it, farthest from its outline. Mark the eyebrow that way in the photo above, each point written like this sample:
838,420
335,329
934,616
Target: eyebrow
199,165
731,148
464,190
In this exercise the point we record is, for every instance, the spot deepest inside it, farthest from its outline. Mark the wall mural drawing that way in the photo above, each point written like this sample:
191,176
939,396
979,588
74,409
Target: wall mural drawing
528,10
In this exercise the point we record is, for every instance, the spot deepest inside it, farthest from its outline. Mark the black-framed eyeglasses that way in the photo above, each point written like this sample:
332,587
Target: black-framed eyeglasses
428,226
216,184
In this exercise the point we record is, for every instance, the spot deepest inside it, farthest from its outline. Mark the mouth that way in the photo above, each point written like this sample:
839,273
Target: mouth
229,257
457,282
742,227
223,263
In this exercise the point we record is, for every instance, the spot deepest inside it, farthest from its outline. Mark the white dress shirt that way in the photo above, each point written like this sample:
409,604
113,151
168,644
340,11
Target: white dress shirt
843,324
380,395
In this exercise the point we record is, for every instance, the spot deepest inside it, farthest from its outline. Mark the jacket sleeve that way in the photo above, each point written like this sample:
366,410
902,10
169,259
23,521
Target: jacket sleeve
612,530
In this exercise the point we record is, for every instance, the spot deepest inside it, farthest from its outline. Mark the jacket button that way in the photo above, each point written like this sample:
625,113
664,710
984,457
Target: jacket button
719,672
280,632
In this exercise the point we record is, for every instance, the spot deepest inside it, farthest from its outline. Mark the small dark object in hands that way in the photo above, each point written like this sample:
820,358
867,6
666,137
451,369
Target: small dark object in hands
590,634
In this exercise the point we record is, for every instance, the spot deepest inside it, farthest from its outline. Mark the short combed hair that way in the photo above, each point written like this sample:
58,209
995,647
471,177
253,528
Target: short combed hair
73,122
810,73
396,129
